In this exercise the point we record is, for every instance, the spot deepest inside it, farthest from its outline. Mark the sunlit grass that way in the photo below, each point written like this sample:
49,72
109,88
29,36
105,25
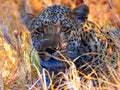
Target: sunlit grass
19,65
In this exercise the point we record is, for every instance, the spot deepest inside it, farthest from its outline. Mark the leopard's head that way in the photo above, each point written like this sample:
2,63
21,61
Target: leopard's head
55,28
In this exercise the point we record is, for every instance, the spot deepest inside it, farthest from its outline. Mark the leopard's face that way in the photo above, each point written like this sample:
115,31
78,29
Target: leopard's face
55,29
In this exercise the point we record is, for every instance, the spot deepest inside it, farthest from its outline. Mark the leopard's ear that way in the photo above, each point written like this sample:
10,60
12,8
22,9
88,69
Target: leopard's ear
27,18
81,12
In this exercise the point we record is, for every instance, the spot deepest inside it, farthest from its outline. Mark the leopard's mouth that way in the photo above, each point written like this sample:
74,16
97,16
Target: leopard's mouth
52,54
50,50
47,54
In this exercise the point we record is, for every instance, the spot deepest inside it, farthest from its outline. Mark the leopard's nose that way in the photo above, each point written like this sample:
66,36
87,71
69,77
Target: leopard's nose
50,50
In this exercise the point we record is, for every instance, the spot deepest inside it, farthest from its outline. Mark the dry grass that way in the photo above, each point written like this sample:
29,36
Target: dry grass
19,65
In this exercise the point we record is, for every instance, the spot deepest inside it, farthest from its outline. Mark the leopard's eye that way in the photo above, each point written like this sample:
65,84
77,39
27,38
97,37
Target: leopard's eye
65,29
40,30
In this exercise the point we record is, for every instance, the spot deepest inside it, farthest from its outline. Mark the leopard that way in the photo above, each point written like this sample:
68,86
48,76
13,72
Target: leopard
59,32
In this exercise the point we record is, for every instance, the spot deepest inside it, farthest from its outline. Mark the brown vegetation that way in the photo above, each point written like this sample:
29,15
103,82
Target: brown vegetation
19,65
